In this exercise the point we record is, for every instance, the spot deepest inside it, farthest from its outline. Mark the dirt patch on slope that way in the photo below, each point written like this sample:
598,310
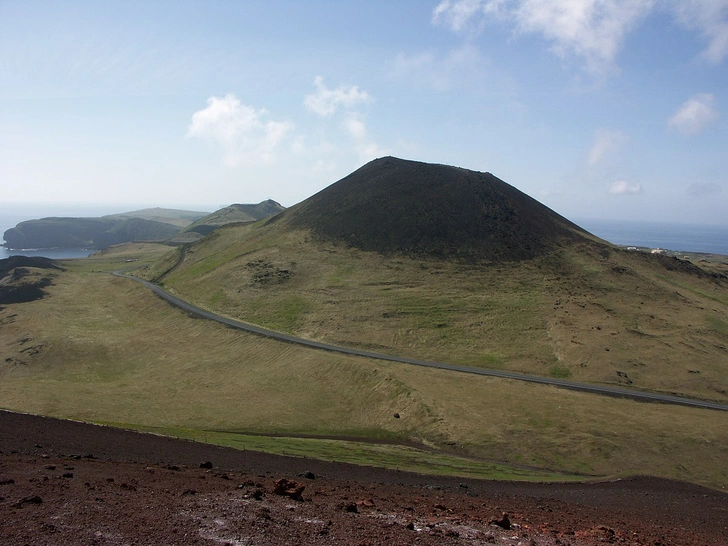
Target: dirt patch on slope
63,482
23,278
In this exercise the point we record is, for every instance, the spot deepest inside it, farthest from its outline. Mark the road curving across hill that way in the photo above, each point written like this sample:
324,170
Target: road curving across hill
604,390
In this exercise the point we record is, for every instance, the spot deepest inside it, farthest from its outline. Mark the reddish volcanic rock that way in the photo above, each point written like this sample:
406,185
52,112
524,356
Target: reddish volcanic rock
144,489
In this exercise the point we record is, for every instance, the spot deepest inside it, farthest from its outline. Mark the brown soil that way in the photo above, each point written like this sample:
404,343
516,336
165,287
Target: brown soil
64,483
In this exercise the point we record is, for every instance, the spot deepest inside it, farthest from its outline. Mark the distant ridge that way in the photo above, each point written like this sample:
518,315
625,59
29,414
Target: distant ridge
235,213
176,217
392,205
155,224
95,233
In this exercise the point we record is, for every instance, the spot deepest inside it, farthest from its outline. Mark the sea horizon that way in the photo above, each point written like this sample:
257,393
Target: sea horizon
677,237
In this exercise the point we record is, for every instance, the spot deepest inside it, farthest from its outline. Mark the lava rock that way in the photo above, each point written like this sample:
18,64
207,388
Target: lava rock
289,488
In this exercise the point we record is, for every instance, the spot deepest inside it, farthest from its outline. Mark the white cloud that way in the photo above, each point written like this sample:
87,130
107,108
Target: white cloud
325,101
355,127
459,14
695,114
590,30
366,149
710,18
622,187
239,129
606,144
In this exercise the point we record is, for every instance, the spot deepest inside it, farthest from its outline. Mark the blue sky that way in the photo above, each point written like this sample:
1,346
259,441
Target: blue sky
609,109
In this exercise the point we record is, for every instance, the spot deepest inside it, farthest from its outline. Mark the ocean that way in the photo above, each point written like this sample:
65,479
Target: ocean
678,237
710,239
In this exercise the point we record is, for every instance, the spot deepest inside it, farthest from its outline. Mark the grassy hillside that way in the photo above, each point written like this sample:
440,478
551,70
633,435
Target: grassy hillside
496,280
105,349
525,290
586,313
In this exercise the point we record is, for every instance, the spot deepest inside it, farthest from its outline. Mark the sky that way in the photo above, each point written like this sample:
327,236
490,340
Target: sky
604,109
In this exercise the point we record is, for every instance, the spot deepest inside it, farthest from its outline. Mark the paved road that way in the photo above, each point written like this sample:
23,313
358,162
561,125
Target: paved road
571,385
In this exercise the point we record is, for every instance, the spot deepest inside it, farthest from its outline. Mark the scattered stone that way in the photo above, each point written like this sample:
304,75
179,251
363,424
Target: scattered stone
206,464
172,467
396,415
6,481
624,378
308,475
503,522
68,475
48,528
34,499
188,492
289,488
350,507
410,526
258,494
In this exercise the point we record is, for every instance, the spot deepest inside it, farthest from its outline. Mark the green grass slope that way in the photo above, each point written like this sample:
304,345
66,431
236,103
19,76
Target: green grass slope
104,349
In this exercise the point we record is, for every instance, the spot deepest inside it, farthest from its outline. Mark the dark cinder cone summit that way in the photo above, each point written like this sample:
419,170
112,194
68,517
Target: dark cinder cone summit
392,205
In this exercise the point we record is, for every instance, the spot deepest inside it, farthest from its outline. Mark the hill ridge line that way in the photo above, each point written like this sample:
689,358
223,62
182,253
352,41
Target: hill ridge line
603,390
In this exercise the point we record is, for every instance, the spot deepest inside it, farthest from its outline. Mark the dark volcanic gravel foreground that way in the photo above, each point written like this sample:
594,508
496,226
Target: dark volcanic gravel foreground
70,483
